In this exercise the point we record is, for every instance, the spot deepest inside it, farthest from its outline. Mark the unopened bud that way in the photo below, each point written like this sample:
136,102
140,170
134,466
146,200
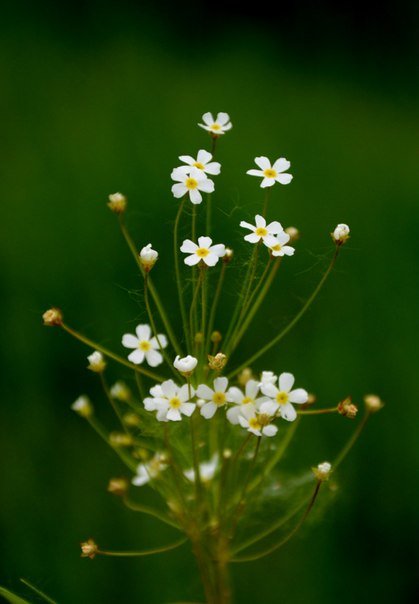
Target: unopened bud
148,257
132,420
244,376
53,317
216,337
83,406
323,470
228,255
347,408
293,232
89,549
117,203
311,399
118,486
373,403
185,365
96,362
341,234
227,453
120,439
199,337
217,362
120,391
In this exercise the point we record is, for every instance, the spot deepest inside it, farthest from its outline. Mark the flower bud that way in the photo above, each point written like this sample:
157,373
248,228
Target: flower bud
347,408
323,470
117,203
228,255
217,362
373,403
120,391
244,376
96,362
186,365
268,377
118,486
148,257
131,420
199,337
89,549
293,232
216,337
83,406
53,317
340,234
120,439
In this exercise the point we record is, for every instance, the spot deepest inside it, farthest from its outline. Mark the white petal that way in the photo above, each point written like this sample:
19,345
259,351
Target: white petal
298,396
270,240
219,249
153,358
143,332
195,196
288,412
213,168
211,259
207,186
204,242
260,221
187,408
169,388
252,388
252,238
192,260
254,172
281,164
160,341
263,162
227,127
203,156
269,408
185,392
243,422
207,118
208,410
220,384
247,411
174,415
270,430
275,227
282,237
136,356
284,179
233,414
129,341
269,390
286,382
187,159
179,174
267,182
288,250
179,190
247,225
188,246
223,118
204,392
235,395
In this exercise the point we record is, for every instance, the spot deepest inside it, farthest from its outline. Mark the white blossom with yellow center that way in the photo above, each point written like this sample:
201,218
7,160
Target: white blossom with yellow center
218,126
262,231
281,397
271,174
204,251
247,398
279,248
170,401
202,162
207,470
150,470
215,398
257,423
145,346
191,182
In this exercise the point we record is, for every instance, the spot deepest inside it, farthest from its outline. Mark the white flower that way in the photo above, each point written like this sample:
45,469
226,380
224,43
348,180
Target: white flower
148,257
145,346
271,174
262,231
191,183
202,162
323,470
204,251
282,397
207,470
171,401
279,248
120,391
217,126
186,364
83,406
149,470
256,423
96,362
341,233
268,377
215,398
240,400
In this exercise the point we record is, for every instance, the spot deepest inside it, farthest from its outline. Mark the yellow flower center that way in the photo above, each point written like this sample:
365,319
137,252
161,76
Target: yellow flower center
219,398
216,127
247,400
202,252
198,165
144,345
191,183
261,232
174,402
254,423
270,173
282,398
277,247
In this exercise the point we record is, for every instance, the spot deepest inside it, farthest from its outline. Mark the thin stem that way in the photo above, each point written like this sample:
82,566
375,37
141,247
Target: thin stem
318,411
203,312
240,506
352,440
111,400
144,509
215,304
40,593
111,355
266,201
98,428
148,552
177,269
140,385
294,321
153,291
284,540
193,305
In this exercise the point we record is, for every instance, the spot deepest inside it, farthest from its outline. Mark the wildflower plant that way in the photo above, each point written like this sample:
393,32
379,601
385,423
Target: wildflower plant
206,433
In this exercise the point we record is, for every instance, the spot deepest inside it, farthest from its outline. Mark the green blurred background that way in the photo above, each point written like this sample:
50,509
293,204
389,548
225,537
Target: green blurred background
97,98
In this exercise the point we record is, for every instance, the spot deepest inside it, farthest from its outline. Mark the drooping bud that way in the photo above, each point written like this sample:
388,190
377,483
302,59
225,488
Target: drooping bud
217,362
83,406
373,403
185,365
117,203
89,549
347,408
96,362
53,317
148,257
341,234
293,232
118,486
323,471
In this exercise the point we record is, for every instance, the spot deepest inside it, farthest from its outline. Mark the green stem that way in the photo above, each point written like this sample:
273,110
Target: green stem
98,428
193,305
148,552
352,440
318,411
40,593
177,269
144,509
111,400
290,325
111,355
215,305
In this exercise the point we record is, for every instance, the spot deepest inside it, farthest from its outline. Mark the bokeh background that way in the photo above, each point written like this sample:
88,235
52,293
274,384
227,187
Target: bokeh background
97,98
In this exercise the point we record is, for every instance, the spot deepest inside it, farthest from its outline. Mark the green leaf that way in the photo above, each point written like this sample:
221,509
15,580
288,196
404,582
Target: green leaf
11,597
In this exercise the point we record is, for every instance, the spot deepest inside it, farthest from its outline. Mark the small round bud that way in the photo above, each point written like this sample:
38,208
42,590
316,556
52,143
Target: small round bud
373,403
117,203
96,362
217,362
227,453
200,402
228,255
53,317
323,470
83,406
216,337
293,232
311,399
347,408
131,420
341,234
89,549
199,337
118,486
120,439
244,376
148,257
185,365
121,392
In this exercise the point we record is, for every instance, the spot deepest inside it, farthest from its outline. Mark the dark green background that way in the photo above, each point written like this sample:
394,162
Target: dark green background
97,99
